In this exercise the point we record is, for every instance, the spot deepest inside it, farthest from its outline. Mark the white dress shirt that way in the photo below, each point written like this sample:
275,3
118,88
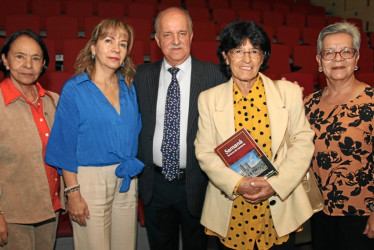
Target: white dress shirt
184,80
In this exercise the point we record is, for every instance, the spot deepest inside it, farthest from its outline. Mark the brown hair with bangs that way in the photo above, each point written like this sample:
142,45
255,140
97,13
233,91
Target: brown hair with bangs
85,63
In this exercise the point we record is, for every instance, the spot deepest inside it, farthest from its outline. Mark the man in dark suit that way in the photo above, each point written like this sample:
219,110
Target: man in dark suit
176,203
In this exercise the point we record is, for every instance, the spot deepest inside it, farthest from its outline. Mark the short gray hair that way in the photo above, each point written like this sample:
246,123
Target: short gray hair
170,9
343,27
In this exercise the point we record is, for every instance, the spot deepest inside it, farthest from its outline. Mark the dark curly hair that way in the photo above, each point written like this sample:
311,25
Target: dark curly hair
234,34
9,41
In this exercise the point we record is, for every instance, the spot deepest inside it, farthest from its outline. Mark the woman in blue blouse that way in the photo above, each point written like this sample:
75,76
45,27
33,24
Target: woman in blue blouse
94,141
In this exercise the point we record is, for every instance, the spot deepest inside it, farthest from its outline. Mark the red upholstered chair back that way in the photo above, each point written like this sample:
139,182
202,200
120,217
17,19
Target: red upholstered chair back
305,80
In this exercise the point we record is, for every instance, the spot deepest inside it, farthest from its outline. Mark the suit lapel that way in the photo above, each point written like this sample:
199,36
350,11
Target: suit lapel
278,114
153,82
224,111
197,86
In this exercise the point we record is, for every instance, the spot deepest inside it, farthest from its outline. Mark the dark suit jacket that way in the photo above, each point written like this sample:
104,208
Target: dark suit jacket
204,75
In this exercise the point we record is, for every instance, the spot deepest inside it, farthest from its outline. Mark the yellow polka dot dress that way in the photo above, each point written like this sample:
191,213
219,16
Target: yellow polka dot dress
252,223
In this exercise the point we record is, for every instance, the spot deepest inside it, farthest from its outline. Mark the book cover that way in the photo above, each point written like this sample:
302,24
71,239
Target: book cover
241,153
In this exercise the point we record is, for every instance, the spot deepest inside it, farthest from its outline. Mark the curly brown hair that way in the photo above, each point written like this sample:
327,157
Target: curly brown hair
85,63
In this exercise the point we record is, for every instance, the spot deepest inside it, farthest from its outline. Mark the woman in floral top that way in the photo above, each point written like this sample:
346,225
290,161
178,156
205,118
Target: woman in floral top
342,117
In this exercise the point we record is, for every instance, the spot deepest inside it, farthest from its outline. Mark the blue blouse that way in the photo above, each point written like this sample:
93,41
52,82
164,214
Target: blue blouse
88,131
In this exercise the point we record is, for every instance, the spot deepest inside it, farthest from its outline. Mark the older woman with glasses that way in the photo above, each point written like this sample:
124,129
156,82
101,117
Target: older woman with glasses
253,212
342,115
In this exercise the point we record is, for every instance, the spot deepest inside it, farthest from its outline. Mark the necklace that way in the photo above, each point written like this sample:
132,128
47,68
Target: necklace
37,96
110,83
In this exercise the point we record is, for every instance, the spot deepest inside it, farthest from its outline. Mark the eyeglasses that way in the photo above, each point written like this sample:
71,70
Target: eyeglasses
253,53
346,53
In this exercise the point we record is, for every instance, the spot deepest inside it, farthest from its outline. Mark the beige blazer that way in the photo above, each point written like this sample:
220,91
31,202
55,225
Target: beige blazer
290,207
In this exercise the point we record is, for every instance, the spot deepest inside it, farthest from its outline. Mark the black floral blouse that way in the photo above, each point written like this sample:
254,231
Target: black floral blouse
343,157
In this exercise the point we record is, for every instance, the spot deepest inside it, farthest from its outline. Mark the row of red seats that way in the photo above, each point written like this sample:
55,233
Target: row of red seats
206,51
306,80
280,61
304,60
218,16
64,6
274,17
147,9
292,35
61,28
80,11
54,80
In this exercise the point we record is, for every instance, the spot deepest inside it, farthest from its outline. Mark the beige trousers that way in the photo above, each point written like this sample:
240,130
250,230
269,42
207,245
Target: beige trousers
113,215
39,236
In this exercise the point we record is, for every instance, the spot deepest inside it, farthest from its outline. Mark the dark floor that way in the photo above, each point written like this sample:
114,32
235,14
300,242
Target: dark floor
66,243
303,240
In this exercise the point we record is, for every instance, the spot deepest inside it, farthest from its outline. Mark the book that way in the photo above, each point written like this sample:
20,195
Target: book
242,154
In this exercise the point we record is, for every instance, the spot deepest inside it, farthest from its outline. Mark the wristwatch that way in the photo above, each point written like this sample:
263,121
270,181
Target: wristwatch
371,207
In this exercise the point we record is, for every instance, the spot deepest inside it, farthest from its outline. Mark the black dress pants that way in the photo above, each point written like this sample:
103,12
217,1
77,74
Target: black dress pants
167,214
340,232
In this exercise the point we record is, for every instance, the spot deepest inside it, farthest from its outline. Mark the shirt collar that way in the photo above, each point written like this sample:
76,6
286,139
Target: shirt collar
11,93
82,78
182,67
121,79
257,86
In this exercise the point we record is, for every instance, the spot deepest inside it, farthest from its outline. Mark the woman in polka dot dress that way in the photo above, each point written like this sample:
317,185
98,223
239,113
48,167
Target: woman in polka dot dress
244,212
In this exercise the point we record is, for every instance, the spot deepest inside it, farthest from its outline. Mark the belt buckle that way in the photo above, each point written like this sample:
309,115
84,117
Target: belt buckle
180,174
